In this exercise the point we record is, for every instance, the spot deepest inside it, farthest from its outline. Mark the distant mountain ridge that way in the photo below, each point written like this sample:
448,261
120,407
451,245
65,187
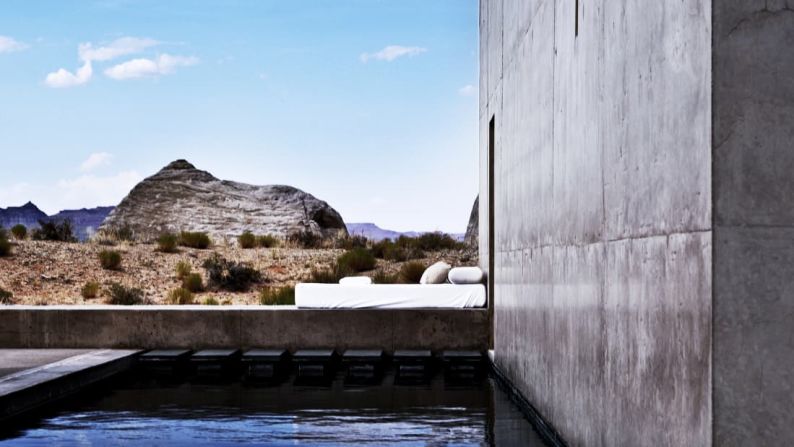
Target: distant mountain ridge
27,215
86,221
375,233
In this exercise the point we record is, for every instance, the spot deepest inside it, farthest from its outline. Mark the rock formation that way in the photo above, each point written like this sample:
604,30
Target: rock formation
183,198
472,237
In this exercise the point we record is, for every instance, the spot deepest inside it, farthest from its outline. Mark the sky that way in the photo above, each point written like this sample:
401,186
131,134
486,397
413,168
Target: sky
370,105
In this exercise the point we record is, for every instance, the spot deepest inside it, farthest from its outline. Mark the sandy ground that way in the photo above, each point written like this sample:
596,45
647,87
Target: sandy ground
45,273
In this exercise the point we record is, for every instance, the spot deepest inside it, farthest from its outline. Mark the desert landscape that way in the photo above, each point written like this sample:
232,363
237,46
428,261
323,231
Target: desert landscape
182,236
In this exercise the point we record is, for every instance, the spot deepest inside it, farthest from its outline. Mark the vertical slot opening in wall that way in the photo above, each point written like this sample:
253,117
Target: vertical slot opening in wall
576,20
491,213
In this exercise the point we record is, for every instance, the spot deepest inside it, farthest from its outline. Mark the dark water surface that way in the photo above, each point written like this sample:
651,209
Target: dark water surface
136,414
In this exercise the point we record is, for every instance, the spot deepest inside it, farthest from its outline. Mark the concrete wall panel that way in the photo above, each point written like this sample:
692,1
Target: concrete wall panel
578,191
657,115
753,342
754,112
603,219
527,155
657,371
753,116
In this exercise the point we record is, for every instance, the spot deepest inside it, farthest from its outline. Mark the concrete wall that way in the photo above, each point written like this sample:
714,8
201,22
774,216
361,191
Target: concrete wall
202,327
753,107
603,213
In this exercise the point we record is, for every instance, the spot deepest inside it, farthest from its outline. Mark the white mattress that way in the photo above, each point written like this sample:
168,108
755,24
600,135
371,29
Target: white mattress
388,296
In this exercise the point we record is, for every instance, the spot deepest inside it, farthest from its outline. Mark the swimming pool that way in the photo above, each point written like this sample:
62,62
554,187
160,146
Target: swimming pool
132,412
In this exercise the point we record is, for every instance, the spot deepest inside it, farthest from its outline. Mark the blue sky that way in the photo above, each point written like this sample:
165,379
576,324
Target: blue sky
370,105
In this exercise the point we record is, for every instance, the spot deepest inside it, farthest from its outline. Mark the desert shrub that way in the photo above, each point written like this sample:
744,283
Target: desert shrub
356,260
194,239
230,275
183,269
271,296
5,246
351,242
210,301
247,240
180,296
19,231
267,241
305,239
119,234
393,252
104,240
381,277
167,243
110,259
126,296
437,241
411,272
6,297
193,282
90,290
226,302
54,231
330,275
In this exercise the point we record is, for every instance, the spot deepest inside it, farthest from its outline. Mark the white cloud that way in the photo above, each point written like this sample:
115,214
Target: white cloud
140,68
64,78
391,53
467,90
117,48
95,160
8,45
88,53
86,191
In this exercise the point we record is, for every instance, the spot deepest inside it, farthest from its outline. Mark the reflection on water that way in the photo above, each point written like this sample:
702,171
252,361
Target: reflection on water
135,414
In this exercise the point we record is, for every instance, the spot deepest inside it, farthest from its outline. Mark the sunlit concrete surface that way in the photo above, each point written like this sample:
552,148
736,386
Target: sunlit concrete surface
644,197
15,360
603,242
44,375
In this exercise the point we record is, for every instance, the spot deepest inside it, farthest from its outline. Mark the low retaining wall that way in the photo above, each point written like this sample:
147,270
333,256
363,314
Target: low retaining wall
150,327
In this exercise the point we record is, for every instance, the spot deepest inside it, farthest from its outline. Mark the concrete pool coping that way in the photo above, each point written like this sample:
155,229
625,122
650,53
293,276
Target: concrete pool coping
28,389
201,327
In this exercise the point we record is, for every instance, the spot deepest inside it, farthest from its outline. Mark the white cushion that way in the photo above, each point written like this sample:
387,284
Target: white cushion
436,273
466,275
355,280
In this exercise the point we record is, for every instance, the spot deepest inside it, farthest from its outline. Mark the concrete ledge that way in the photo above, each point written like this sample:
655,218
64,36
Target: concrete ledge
194,327
31,388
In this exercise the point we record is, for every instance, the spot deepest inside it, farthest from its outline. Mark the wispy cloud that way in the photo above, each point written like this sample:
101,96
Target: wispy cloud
391,53
467,90
90,53
141,68
8,45
119,47
95,160
64,78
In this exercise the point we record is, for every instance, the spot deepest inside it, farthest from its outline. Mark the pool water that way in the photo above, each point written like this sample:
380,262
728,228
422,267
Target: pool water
132,413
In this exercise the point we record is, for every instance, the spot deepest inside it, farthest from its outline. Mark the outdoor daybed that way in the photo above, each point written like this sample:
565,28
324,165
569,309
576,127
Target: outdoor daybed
389,296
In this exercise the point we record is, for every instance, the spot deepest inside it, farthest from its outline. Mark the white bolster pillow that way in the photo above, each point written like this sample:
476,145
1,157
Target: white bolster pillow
466,275
355,280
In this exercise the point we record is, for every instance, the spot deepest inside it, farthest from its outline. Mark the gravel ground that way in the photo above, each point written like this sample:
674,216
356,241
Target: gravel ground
45,273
